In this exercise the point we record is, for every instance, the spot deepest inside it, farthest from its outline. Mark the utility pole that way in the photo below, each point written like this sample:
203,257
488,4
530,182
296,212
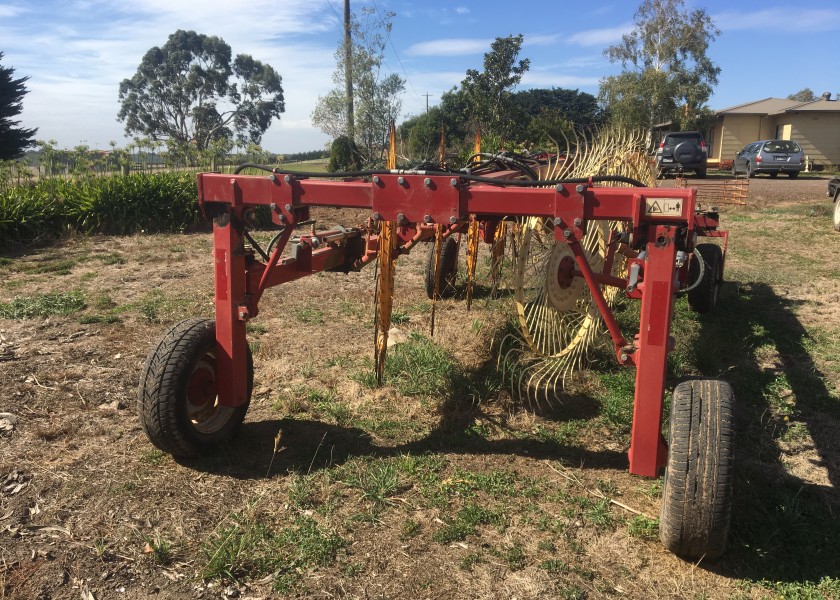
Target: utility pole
348,70
427,100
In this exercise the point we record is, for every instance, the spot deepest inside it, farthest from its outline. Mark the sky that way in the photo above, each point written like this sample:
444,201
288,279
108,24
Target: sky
76,52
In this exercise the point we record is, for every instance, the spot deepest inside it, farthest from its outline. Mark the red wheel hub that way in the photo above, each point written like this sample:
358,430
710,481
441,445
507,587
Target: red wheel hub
202,387
566,272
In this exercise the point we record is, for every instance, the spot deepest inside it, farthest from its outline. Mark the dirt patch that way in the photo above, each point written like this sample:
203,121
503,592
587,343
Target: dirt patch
361,492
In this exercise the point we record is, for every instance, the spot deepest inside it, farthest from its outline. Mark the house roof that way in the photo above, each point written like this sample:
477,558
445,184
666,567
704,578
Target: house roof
775,106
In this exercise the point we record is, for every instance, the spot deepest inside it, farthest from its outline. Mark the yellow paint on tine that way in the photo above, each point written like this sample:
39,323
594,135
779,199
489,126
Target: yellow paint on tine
472,258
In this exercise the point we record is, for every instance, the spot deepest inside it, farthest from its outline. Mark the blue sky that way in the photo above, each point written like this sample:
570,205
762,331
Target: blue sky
77,51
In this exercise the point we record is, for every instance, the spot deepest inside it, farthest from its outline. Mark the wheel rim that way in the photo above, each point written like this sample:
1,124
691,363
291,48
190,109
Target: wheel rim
204,412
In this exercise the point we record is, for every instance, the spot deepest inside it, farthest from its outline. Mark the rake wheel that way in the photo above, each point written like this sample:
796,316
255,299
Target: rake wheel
557,313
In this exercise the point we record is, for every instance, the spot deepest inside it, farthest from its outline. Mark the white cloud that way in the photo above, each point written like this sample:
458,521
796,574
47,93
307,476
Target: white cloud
801,20
7,11
600,37
450,47
546,79
462,10
542,40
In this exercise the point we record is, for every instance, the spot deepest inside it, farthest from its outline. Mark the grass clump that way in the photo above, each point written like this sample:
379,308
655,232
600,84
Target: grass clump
248,547
419,367
43,305
465,523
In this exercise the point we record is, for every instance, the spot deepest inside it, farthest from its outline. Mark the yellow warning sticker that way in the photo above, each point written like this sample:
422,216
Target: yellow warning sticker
665,207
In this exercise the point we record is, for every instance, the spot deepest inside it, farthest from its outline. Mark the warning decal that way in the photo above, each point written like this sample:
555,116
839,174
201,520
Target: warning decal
665,207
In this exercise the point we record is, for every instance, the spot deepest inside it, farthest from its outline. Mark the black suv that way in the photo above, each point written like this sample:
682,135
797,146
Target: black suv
683,150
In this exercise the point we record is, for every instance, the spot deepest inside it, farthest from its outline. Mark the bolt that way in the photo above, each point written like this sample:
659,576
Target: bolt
623,357
578,222
273,206
453,182
559,188
567,233
401,217
580,188
427,181
242,314
289,207
287,178
401,180
377,216
376,179
558,222
272,178
453,220
428,219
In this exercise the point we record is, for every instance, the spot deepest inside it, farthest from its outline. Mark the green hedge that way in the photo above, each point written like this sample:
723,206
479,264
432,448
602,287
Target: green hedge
162,202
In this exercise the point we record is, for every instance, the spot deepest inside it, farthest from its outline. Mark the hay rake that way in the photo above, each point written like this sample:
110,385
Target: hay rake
196,382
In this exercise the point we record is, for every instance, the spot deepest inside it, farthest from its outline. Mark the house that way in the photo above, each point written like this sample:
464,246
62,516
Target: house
813,125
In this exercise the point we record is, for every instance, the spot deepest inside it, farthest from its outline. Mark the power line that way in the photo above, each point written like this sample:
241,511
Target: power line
388,36
334,10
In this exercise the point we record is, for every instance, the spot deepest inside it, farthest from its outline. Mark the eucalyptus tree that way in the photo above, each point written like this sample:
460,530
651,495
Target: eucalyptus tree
192,94
666,72
376,95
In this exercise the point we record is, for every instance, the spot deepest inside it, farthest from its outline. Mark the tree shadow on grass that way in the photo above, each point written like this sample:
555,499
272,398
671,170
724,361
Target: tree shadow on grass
784,528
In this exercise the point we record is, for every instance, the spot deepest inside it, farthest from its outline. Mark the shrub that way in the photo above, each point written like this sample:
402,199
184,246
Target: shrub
344,155
160,202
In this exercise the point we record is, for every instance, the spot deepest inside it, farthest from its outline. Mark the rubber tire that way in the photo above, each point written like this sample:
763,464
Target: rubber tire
703,298
692,153
701,173
734,170
793,174
750,171
836,221
448,269
162,397
697,494
773,175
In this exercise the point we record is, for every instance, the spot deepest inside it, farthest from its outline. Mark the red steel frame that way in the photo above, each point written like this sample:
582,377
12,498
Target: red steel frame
417,203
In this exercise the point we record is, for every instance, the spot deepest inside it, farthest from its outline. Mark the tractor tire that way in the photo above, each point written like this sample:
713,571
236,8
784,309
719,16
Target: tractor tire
448,269
703,298
178,406
836,222
697,494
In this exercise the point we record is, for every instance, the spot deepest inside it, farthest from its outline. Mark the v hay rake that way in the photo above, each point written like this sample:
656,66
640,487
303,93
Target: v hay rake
196,382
